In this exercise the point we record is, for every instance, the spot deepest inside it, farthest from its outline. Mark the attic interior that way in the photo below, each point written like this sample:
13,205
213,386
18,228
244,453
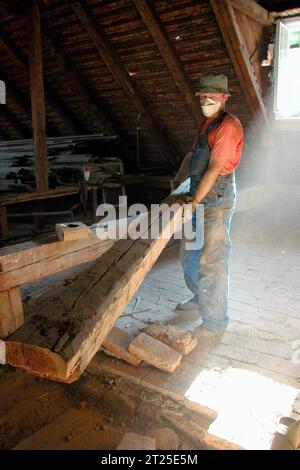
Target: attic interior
102,101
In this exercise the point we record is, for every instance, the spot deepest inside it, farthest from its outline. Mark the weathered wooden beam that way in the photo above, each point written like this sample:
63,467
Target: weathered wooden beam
38,107
170,57
4,223
238,53
254,11
40,261
11,311
81,317
111,57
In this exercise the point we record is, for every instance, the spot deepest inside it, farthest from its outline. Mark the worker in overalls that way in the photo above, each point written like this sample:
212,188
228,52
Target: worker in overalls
211,164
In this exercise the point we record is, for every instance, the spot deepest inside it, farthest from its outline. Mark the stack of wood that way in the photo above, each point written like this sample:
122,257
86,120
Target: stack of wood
67,158
160,345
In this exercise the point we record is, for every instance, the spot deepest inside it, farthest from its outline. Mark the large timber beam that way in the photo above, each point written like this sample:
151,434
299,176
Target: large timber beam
117,68
254,11
237,50
170,57
38,108
78,320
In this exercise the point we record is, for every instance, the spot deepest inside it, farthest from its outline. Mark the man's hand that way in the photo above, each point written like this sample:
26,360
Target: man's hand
188,211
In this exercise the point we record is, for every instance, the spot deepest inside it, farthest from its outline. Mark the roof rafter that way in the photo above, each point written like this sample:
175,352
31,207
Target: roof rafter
237,50
170,57
117,68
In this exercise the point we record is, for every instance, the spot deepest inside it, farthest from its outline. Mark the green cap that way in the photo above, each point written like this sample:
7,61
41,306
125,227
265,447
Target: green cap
213,84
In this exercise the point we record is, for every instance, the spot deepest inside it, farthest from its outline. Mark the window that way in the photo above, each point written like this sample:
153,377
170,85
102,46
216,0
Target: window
287,69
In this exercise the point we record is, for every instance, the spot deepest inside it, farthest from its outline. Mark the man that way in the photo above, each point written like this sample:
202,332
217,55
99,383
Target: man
210,164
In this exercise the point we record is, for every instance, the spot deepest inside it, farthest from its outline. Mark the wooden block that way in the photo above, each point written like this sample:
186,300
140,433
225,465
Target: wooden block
178,339
72,231
132,441
117,342
11,311
155,353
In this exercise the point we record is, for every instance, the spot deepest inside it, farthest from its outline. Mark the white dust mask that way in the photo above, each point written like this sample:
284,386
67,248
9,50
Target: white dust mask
210,107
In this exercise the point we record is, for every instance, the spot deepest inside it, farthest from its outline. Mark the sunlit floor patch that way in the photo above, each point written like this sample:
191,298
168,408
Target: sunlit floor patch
249,405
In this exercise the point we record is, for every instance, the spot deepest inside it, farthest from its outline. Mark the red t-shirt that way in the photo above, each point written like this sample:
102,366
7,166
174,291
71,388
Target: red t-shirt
226,142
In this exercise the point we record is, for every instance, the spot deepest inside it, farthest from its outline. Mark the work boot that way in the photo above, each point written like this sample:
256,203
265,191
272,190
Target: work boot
189,304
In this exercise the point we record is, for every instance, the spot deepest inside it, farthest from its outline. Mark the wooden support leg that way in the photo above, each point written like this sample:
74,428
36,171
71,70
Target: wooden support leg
11,311
94,203
4,222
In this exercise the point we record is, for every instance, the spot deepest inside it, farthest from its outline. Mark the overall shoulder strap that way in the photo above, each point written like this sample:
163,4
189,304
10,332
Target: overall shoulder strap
216,122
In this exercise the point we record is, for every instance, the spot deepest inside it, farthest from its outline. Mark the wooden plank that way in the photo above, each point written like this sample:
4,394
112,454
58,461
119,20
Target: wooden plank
112,59
94,301
254,11
170,57
4,223
11,311
54,263
240,58
23,197
38,108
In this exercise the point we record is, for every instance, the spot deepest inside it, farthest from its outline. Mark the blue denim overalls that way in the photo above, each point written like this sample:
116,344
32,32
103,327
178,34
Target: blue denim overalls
206,271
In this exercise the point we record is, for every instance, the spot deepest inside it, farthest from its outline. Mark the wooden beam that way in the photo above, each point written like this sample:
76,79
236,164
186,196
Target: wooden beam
4,223
254,11
11,311
238,53
170,57
117,68
38,108
40,261
81,317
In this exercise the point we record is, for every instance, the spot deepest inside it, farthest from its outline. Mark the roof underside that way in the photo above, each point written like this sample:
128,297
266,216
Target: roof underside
190,25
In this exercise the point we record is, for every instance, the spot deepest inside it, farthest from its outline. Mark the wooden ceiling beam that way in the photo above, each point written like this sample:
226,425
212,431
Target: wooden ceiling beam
237,50
37,94
111,57
170,57
254,11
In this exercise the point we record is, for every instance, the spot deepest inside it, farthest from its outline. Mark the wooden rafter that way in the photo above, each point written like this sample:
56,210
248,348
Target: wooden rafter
92,100
38,107
254,11
237,50
170,57
117,68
